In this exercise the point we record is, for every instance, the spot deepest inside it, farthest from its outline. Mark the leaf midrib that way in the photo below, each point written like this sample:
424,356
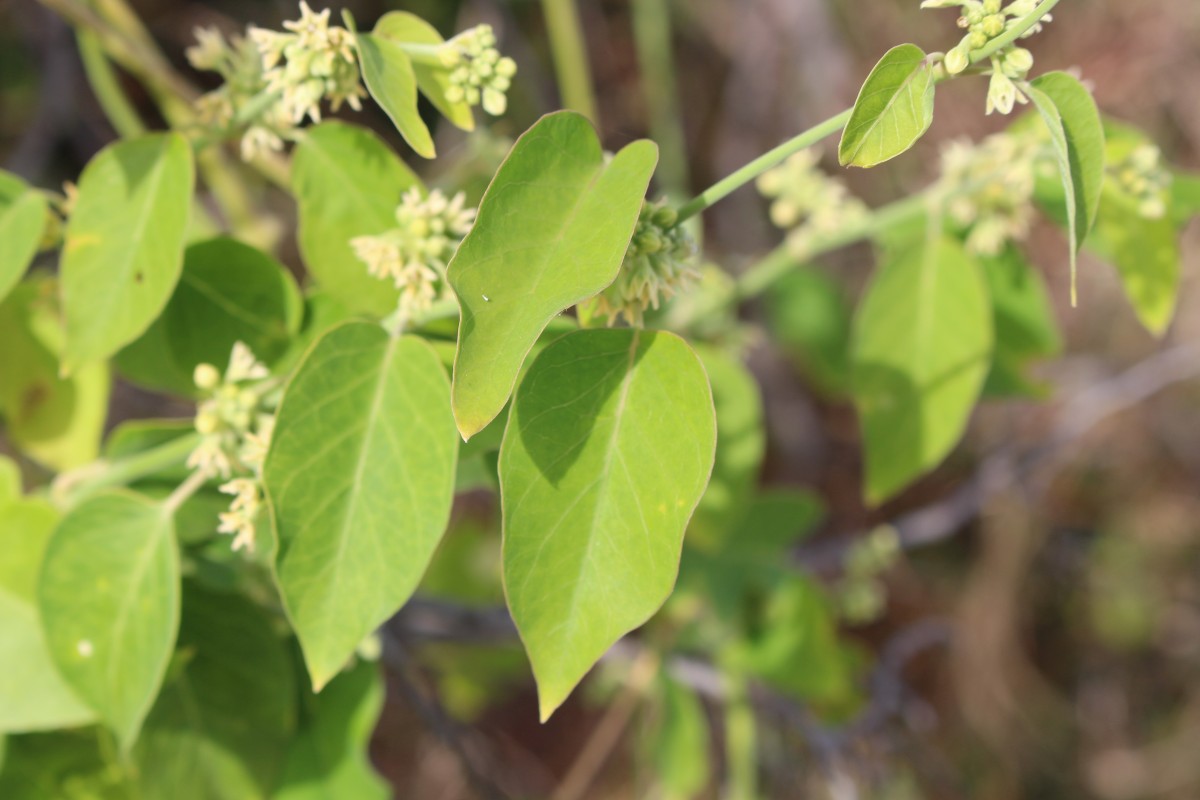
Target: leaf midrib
901,89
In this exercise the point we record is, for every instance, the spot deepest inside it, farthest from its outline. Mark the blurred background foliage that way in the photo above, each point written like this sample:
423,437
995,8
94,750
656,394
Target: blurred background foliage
1074,597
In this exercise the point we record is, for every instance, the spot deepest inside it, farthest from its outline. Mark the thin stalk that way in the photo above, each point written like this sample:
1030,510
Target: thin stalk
768,160
569,49
832,125
184,491
652,36
780,261
107,86
72,487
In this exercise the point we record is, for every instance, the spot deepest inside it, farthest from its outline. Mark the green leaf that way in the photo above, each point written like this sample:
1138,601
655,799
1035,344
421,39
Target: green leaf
1145,250
109,601
229,292
222,725
361,476
922,348
124,243
811,317
1023,322
609,446
433,81
22,219
388,73
321,314
893,110
328,758
10,481
64,765
1077,134
678,747
55,421
552,231
32,695
741,442
347,183
1185,197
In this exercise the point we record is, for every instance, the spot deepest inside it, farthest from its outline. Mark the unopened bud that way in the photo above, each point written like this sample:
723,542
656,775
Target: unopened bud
206,377
993,25
957,59
207,422
1019,60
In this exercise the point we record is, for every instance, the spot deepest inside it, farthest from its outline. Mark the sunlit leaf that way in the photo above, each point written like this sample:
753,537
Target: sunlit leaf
893,110
124,243
32,695
609,445
388,72
552,231
433,81
22,218
109,600
361,476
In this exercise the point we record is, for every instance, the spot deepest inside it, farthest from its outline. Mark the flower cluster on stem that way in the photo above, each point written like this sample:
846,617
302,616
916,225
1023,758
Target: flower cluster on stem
807,202
478,75
659,263
235,422
989,189
414,254
984,21
1142,176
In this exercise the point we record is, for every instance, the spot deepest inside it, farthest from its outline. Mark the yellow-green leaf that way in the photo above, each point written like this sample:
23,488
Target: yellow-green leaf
893,110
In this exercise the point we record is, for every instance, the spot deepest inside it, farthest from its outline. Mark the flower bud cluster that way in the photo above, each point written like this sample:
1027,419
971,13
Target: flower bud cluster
235,424
985,20
1142,176
414,255
659,263
478,73
807,202
315,61
989,189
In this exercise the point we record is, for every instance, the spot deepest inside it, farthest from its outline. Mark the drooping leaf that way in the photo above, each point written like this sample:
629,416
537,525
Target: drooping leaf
124,243
228,292
1023,321
433,81
922,348
388,72
222,724
741,442
22,219
1077,135
55,421
10,481
1185,197
328,757
609,445
361,476
108,596
347,183
552,231
32,695
893,110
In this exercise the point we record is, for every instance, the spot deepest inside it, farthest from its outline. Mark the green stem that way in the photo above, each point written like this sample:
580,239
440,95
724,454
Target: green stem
768,160
1012,34
570,57
72,487
107,87
782,260
184,491
652,36
834,124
